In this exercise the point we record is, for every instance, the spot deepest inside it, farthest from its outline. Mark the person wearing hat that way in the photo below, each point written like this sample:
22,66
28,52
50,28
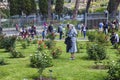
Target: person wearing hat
72,34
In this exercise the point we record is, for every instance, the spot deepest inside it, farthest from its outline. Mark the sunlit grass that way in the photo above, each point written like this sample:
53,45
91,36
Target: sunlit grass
63,69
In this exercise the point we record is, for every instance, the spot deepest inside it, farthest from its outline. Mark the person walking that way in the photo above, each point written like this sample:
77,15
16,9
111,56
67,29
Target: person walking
1,30
72,34
60,31
101,26
84,30
50,29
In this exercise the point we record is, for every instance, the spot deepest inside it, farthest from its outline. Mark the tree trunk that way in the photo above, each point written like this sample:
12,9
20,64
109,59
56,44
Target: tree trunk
112,7
0,20
88,5
49,9
76,9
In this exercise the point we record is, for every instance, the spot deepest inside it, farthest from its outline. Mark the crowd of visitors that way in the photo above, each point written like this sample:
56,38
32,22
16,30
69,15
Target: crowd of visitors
71,32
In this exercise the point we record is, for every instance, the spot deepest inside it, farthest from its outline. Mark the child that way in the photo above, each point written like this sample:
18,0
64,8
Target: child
43,35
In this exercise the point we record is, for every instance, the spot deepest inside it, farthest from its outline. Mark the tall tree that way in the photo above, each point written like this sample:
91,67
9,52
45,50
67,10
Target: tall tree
19,6
49,9
59,7
34,6
77,3
14,7
112,7
28,6
88,5
43,6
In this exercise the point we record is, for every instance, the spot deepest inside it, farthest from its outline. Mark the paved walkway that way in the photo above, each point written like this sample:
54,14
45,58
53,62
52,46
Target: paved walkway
12,31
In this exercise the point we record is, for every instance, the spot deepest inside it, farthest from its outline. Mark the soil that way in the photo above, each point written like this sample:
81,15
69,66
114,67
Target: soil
44,78
100,67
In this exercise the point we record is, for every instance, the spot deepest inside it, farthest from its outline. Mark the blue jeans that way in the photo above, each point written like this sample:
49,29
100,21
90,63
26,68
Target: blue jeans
84,33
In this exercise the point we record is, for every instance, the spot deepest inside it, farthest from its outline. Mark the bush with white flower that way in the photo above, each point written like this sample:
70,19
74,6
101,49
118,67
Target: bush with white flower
41,61
114,70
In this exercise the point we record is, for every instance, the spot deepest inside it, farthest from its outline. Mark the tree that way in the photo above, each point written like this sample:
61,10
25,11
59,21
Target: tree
43,6
77,3
14,7
112,7
33,5
59,7
28,6
88,5
19,6
49,9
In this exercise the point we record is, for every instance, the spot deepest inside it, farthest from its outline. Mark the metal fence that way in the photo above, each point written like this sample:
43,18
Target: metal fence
93,19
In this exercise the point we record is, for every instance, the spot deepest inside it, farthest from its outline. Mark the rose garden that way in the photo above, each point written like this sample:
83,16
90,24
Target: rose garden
33,35
28,59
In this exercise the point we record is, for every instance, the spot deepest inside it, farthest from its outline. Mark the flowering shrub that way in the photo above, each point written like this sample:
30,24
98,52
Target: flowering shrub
96,52
51,36
28,41
91,36
50,44
15,54
24,45
56,52
41,61
9,42
101,38
115,46
34,41
2,61
41,45
114,71
80,47
19,39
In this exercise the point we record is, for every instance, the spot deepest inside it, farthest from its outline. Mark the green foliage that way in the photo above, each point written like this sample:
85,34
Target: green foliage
8,42
43,6
50,44
19,6
28,6
101,38
59,6
41,45
1,40
15,54
28,41
24,45
56,52
41,61
114,71
19,39
2,61
101,9
34,41
51,36
91,36
116,45
74,22
80,46
96,52
15,7
4,13
65,10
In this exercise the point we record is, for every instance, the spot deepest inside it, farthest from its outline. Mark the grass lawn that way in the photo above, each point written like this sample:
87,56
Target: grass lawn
63,69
